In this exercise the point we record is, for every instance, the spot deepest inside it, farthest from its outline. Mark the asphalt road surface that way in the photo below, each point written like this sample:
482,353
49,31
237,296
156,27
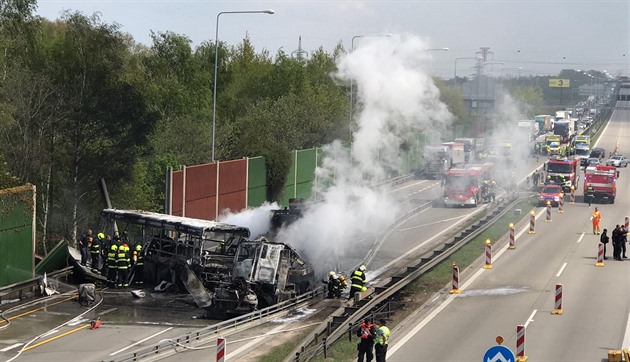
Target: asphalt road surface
520,290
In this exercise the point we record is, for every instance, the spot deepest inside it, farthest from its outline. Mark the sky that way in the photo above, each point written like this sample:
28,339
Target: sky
535,37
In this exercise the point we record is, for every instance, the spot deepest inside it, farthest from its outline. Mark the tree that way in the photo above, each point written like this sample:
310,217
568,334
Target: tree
107,125
454,99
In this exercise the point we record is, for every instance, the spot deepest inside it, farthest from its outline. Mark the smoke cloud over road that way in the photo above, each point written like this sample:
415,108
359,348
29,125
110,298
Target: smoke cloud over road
395,97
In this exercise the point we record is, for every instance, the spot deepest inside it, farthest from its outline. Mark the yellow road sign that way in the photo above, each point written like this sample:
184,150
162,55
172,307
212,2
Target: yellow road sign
559,83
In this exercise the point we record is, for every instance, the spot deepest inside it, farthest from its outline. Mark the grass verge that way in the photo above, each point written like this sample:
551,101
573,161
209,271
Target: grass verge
282,351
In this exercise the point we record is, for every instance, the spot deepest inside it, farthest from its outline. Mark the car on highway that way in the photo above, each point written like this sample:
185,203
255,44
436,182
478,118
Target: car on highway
593,161
598,152
617,161
550,193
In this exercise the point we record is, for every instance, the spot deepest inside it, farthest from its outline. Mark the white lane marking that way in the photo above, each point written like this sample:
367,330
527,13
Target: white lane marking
561,269
137,343
626,335
248,346
531,318
11,347
407,186
431,223
450,298
604,131
108,311
580,239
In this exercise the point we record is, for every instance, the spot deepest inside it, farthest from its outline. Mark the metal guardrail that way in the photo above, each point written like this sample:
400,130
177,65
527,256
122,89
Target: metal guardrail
396,283
202,335
20,289
385,233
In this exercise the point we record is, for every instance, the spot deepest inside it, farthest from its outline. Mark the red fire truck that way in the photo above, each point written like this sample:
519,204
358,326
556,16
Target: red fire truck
603,179
463,185
563,172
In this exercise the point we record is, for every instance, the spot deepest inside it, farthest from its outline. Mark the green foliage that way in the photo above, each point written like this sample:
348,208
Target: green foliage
530,99
278,162
6,179
80,101
454,99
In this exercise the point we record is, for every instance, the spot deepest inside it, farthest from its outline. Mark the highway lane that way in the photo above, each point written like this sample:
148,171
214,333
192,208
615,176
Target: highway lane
125,321
520,290
117,334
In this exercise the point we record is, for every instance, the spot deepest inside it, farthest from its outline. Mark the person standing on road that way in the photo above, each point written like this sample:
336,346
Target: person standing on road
616,243
596,219
382,340
623,239
590,194
604,240
366,333
535,178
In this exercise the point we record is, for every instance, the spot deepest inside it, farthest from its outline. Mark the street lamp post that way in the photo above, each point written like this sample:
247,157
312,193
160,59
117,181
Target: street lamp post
216,60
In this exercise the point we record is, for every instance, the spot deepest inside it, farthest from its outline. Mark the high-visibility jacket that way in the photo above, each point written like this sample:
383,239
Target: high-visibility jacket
95,247
122,257
358,280
137,255
597,216
382,336
112,255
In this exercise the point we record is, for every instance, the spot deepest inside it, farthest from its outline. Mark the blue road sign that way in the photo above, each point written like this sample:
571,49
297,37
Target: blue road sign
498,354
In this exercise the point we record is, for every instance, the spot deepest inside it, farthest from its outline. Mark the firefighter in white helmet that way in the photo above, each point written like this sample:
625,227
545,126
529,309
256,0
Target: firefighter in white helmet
358,281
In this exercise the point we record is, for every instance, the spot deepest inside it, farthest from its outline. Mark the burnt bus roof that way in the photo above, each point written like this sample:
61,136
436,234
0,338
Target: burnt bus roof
181,224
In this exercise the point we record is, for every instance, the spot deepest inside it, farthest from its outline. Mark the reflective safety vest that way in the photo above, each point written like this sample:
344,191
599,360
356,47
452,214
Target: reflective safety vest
366,330
597,217
111,256
382,335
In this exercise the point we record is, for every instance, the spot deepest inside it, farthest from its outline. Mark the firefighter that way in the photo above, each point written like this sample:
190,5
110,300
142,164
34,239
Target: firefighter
122,263
95,252
138,264
358,281
590,194
366,333
112,264
333,285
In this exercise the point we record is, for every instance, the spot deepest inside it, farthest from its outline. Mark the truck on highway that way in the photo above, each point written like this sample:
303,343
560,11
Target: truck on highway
603,180
564,129
563,172
470,148
543,122
443,157
462,186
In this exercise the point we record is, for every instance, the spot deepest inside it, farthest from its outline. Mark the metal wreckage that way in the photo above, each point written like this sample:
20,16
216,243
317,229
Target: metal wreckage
223,270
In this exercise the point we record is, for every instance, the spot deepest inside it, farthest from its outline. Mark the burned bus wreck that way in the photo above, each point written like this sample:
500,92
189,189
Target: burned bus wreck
216,263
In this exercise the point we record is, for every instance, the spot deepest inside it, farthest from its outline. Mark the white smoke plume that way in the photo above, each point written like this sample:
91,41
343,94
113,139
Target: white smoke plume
257,220
396,98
